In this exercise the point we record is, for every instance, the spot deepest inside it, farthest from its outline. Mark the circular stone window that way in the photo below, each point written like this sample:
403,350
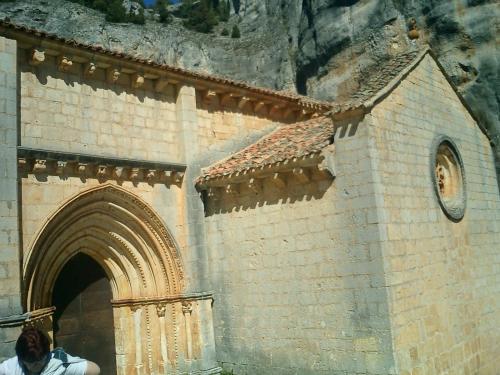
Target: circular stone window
449,180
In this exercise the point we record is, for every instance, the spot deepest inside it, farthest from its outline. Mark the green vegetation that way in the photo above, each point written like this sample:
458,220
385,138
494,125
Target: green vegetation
235,34
161,7
204,15
198,15
114,10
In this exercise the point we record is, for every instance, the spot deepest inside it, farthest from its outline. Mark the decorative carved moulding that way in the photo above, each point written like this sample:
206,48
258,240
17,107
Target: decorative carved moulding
44,162
64,63
276,109
161,301
279,175
36,56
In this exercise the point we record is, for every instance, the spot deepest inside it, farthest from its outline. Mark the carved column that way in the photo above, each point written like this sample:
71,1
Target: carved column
137,310
161,308
187,308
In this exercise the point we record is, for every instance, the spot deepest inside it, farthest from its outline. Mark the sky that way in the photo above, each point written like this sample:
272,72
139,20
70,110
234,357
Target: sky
151,2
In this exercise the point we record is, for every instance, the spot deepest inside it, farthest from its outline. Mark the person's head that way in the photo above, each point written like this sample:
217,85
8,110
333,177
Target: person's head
32,349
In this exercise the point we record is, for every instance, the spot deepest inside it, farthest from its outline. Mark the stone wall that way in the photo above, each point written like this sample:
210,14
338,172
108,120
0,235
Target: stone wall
298,275
224,128
67,111
10,299
443,276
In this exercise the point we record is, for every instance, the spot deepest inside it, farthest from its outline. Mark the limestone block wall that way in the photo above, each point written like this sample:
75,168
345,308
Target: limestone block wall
443,276
10,301
297,273
224,127
67,111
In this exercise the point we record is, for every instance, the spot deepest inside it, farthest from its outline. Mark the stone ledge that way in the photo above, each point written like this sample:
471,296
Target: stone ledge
64,164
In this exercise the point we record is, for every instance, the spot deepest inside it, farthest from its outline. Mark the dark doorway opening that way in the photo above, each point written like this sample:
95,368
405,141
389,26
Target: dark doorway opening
83,320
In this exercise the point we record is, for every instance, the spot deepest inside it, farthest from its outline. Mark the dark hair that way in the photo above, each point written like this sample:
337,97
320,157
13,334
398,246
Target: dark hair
32,345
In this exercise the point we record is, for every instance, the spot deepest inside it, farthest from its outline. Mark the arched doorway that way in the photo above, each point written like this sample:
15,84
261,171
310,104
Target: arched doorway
131,245
83,320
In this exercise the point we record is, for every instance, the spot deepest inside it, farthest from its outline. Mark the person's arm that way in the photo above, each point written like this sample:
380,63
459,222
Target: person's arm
92,369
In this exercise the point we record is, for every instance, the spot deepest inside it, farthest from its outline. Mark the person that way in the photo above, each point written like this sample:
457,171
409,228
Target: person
33,357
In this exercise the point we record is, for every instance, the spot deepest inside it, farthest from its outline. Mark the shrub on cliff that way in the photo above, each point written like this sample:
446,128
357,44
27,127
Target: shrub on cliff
235,34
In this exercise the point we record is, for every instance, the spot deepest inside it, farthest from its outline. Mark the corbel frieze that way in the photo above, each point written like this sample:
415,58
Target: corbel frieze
300,170
40,162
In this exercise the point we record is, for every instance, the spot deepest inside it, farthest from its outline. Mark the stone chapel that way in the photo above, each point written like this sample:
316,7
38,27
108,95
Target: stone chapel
163,221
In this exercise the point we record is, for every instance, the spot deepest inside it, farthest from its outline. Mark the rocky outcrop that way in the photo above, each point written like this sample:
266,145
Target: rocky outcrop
321,48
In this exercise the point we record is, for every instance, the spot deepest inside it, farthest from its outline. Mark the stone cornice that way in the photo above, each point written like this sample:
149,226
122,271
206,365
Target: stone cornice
314,167
185,297
64,164
72,57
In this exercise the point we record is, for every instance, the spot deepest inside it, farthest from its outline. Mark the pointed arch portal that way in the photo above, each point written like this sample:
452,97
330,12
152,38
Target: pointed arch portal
117,229
158,328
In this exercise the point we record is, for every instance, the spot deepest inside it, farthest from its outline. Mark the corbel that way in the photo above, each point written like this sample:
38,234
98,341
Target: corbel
102,172
213,192
232,189
161,84
135,174
22,164
137,80
64,63
119,173
90,69
37,56
242,102
82,169
177,176
276,110
302,175
211,97
226,99
288,112
278,180
40,166
113,74
255,185
61,167
328,162
304,115
151,175
260,105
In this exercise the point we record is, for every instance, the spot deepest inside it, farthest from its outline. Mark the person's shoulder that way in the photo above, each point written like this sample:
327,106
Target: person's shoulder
10,367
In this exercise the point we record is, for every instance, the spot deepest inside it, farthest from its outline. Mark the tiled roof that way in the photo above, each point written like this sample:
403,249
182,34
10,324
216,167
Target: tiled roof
286,142
377,80
309,137
298,99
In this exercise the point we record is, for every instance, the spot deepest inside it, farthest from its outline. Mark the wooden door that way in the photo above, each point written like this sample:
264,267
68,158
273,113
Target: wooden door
83,320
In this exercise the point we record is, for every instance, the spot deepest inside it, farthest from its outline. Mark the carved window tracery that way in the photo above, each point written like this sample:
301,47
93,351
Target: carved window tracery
448,176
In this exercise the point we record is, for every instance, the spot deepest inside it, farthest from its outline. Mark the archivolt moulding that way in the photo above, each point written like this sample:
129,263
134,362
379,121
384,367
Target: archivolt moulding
121,232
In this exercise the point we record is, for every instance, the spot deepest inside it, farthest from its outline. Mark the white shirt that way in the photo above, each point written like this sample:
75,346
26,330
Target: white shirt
73,366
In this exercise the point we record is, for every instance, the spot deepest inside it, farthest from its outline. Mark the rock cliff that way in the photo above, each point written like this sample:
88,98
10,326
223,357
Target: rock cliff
321,48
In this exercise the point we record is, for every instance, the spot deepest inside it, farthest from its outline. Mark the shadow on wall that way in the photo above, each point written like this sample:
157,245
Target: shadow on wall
100,79
245,196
